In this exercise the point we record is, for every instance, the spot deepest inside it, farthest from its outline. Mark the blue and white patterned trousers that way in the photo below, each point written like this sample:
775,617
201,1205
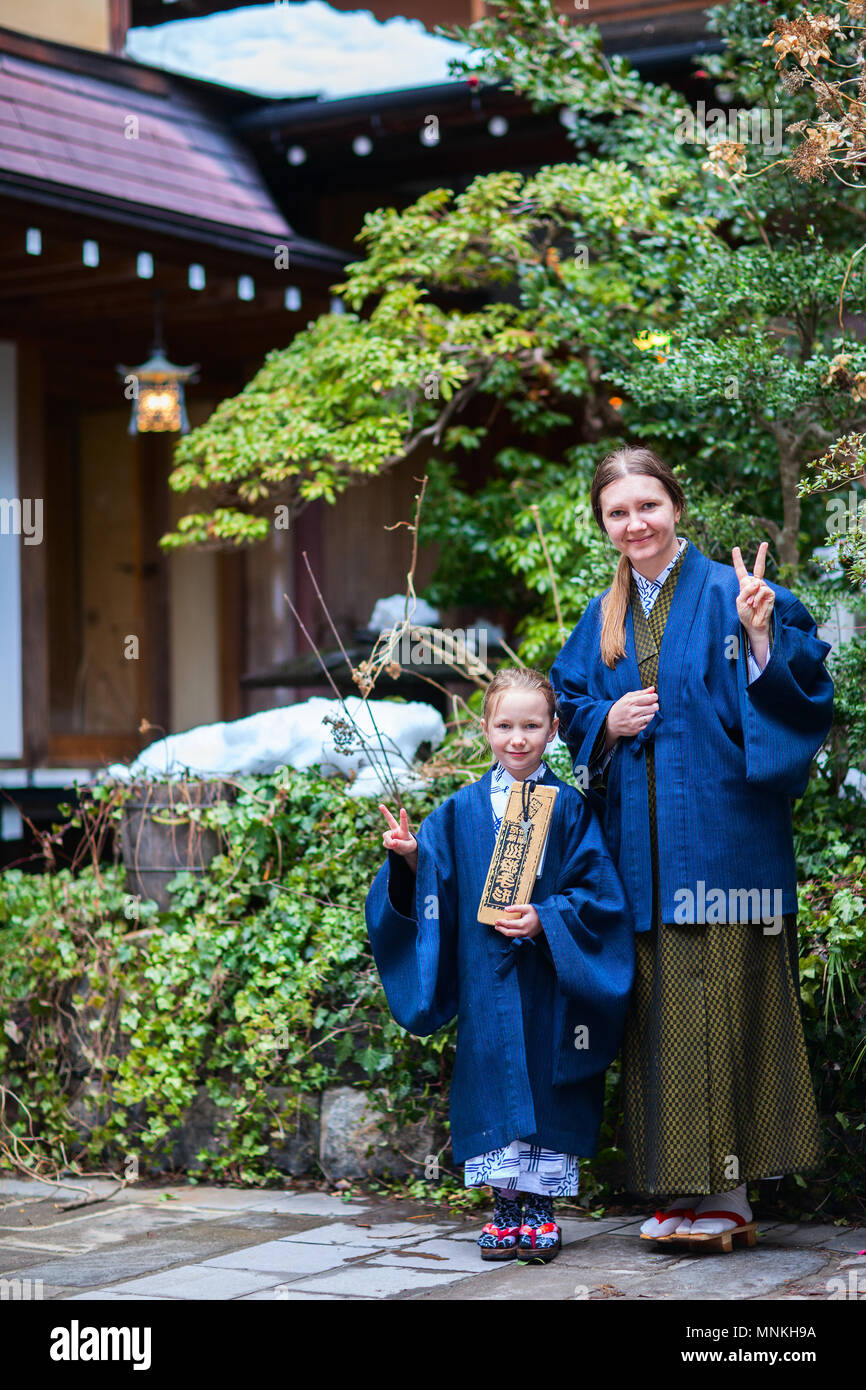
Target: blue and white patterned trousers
522,1167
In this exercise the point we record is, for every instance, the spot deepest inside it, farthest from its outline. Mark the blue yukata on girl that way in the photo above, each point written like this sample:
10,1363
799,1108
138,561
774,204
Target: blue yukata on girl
538,1021
746,736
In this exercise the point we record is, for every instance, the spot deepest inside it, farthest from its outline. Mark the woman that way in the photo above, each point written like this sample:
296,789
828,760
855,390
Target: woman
699,693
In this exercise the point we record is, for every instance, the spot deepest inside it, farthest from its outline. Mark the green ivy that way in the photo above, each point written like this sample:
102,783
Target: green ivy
257,989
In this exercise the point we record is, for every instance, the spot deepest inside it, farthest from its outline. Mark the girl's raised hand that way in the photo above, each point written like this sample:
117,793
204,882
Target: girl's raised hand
398,836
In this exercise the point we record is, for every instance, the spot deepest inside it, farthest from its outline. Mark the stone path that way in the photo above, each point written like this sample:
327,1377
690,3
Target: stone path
187,1242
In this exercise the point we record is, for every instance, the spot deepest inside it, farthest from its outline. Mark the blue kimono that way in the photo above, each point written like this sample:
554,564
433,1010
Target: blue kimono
752,742
539,1020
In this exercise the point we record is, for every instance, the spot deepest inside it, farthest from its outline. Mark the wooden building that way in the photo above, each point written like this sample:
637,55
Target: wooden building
118,183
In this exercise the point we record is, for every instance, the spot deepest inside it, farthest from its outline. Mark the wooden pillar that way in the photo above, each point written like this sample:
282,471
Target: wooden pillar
232,657
34,576
153,465
119,22
308,537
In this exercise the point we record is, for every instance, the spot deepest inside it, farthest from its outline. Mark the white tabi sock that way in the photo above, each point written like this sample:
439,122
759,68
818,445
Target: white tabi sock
654,1227
735,1201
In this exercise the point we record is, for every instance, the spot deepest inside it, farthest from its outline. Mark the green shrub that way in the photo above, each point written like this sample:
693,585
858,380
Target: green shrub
117,1016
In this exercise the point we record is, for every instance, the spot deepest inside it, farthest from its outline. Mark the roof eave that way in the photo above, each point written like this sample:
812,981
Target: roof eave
298,112
311,255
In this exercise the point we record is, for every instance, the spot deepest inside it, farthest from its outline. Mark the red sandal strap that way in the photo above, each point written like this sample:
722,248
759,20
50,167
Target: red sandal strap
724,1216
682,1212
547,1228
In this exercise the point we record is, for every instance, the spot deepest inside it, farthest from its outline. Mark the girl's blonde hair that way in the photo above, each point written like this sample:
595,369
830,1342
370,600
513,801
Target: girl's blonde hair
517,678
614,606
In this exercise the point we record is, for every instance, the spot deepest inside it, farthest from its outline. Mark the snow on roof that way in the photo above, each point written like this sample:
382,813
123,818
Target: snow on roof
298,50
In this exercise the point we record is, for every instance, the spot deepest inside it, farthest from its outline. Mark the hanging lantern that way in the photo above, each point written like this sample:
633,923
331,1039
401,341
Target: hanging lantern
156,389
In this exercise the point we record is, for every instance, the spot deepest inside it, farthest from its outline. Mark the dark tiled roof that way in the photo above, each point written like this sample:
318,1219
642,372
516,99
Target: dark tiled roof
66,129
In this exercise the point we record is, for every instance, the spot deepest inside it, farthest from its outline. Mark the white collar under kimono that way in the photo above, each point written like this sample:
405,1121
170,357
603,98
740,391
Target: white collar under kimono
501,783
649,589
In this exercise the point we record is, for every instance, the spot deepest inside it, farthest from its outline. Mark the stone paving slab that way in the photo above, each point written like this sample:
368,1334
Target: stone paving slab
196,1282
93,1270
370,1281
27,1213
228,1199
514,1283
271,1225
827,1237
115,1296
14,1259
742,1273
109,1264
83,1231
372,1235
75,1190
447,1254
291,1294
311,1204
284,1257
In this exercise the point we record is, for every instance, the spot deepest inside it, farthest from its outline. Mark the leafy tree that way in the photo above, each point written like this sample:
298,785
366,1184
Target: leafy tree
658,287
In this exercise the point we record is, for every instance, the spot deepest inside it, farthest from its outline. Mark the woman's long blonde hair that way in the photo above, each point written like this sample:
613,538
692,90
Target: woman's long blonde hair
614,605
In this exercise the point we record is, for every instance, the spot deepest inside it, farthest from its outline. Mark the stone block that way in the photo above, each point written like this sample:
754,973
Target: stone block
296,1152
355,1141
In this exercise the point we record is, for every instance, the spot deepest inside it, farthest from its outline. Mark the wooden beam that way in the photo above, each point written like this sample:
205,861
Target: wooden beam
34,578
76,749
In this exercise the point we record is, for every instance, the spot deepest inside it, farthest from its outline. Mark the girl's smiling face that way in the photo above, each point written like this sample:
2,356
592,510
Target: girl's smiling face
640,518
519,730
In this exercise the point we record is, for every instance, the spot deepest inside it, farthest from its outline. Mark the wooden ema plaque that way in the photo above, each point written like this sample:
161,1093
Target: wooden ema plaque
514,864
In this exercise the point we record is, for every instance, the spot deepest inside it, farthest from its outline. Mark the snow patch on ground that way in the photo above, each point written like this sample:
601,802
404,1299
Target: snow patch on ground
298,736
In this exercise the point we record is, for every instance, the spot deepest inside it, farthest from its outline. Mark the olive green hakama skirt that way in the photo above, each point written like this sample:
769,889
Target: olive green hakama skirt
715,1078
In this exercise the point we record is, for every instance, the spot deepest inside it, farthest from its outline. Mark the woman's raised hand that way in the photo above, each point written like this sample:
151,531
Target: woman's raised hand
755,599
399,837
631,713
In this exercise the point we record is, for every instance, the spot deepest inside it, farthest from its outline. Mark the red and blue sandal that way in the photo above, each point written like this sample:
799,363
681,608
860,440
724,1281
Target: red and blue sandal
539,1244
498,1242
498,1239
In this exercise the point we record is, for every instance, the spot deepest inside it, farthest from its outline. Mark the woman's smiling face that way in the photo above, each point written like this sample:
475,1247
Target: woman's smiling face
640,518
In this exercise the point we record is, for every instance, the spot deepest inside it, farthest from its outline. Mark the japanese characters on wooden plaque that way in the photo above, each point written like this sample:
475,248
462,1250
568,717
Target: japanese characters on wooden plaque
517,852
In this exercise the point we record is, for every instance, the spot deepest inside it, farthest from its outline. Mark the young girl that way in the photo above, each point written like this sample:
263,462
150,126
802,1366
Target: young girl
540,998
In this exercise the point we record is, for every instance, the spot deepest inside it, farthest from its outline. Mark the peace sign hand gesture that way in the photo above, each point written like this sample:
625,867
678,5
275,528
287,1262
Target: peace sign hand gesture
754,601
399,837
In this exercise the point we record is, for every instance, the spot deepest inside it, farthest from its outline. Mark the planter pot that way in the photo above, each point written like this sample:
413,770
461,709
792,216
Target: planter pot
158,840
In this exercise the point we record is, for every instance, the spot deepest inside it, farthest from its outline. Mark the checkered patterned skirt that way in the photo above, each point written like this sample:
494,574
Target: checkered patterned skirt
715,1078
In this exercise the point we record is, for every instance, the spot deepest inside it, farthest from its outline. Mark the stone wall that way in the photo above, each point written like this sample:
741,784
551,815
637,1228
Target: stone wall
340,1133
